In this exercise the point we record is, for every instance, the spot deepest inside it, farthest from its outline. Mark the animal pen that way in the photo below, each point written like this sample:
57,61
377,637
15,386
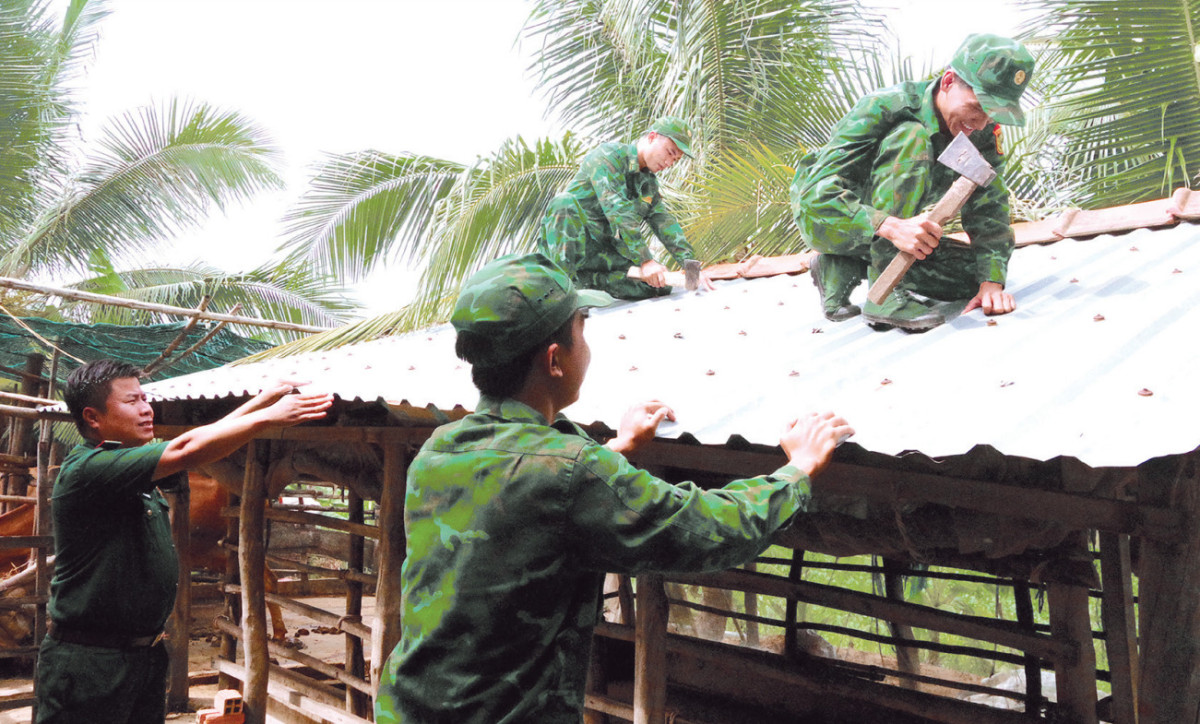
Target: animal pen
1085,457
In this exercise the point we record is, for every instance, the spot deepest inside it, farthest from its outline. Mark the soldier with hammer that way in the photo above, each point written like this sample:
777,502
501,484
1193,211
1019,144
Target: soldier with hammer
860,198
593,230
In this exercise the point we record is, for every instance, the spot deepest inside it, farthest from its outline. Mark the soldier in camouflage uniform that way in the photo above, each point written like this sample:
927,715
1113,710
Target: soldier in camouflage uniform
514,514
593,229
860,198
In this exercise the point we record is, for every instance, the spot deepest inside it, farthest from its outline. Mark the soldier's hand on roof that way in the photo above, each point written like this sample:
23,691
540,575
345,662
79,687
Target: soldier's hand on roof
993,299
706,281
809,441
293,409
654,274
639,425
918,236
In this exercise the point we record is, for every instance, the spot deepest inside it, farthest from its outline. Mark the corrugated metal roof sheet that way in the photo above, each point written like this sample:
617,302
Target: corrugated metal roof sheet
1098,322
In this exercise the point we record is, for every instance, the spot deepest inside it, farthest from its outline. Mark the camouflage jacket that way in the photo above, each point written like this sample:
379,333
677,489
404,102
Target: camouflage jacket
511,525
616,196
833,184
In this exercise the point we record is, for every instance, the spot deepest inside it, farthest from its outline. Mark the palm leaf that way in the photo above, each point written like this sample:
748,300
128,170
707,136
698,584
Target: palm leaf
276,292
364,209
1125,87
159,170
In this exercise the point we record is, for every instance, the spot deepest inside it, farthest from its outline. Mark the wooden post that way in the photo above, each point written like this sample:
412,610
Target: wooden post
180,622
389,552
791,613
650,651
44,520
251,559
1169,597
22,429
1033,665
356,703
1120,629
233,606
907,658
1070,621
751,606
597,680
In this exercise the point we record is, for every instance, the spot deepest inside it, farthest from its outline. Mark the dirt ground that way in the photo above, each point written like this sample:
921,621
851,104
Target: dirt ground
202,648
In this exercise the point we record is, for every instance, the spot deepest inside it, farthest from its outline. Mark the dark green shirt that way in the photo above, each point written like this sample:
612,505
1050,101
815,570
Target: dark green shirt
511,525
116,568
616,195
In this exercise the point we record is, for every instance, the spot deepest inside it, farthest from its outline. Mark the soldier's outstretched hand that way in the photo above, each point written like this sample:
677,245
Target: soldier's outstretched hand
809,441
294,409
639,424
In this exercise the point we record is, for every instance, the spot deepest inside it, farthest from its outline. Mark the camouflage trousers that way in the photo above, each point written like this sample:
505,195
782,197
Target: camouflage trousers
581,249
900,180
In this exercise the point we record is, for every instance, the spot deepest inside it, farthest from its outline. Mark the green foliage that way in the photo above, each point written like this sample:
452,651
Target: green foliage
1123,91
95,212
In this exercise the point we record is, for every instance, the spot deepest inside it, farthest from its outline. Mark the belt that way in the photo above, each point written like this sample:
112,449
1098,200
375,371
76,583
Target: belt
102,640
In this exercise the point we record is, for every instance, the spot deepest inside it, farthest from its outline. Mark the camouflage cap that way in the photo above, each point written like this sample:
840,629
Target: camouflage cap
998,69
677,130
514,302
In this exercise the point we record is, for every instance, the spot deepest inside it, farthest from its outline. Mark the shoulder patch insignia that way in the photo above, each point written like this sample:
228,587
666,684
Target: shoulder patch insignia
647,199
996,133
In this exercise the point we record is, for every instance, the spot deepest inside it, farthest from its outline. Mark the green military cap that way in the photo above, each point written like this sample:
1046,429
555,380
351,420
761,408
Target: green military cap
998,70
677,130
513,303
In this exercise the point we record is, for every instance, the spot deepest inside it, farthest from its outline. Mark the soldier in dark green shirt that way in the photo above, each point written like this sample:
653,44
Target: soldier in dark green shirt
116,568
593,230
860,198
514,514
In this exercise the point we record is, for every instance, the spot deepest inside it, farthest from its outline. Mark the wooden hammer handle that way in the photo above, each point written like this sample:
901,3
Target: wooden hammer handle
673,278
945,209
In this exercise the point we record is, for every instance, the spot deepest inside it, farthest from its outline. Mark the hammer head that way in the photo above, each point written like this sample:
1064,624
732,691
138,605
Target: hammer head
963,158
691,275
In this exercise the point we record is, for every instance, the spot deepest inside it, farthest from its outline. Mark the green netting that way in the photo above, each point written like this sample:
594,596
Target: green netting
139,345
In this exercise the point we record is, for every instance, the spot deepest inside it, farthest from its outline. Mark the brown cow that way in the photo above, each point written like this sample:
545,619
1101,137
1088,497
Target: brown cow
17,522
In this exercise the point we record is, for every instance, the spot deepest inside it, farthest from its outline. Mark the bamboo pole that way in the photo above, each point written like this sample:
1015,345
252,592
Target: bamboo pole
11,283
183,333
251,565
202,341
650,651
1004,633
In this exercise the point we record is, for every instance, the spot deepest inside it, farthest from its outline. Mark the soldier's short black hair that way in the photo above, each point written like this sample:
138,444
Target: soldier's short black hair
506,379
90,385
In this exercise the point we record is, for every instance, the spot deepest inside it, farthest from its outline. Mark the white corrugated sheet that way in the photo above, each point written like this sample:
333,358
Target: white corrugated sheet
1051,379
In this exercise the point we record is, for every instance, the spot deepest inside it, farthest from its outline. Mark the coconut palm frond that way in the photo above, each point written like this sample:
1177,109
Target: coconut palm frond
409,319
269,293
1125,79
496,209
160,170
745,205
363,209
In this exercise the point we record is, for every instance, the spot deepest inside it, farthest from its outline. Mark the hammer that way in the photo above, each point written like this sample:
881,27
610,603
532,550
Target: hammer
974,172
689,278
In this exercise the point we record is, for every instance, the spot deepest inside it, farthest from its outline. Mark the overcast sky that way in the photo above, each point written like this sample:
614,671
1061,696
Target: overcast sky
437,77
